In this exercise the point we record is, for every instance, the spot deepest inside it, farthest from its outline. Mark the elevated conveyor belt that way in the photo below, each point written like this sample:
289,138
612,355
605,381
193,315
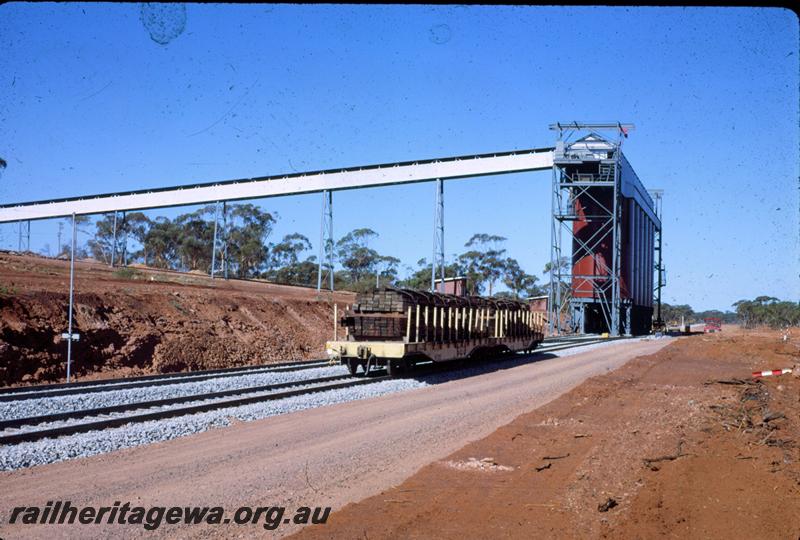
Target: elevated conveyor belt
271,186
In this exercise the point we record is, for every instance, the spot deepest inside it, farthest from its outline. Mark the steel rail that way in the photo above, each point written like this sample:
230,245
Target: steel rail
559,347
83,413
83,427
64,389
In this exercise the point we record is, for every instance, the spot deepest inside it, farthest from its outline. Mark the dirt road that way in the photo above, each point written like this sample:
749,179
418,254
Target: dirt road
678,444
328,456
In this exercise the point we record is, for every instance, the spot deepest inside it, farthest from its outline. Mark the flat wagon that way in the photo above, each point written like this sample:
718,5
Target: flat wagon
397,328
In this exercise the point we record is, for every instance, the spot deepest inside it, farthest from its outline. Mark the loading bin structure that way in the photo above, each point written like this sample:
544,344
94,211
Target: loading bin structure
606,266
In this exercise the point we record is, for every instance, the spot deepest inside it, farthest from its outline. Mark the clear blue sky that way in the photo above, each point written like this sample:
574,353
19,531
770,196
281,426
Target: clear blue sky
90,102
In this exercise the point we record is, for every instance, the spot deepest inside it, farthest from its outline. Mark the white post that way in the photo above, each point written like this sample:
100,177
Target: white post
335,322
225,241
71,289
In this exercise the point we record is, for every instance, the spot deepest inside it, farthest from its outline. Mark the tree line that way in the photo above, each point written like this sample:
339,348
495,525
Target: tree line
185,244
761,311
767,311
674,314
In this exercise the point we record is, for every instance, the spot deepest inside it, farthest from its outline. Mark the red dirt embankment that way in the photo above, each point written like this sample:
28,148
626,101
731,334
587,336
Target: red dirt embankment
141,321
679,444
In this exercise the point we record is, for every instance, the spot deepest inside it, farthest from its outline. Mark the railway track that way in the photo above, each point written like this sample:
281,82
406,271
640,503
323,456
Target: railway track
24,429
560,344
33,428
65,389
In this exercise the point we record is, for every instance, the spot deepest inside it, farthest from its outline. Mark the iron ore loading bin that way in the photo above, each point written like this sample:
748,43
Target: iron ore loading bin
397,328
614,230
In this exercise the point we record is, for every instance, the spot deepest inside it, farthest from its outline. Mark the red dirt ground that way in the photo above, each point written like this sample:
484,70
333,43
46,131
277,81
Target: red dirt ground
150,321
679,454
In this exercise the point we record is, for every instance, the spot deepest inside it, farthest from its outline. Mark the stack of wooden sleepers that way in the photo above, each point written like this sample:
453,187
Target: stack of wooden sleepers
382,315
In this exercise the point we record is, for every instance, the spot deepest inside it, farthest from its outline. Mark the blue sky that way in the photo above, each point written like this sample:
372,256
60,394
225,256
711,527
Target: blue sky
89,102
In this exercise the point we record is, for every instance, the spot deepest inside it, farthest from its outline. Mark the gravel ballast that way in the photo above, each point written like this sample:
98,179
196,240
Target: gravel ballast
97,442
50,405
170,378
150,410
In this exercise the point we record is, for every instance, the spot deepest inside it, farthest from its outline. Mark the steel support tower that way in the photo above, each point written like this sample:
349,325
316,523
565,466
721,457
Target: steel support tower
24,236
219,249
597,180
661,275
326,244
437,262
